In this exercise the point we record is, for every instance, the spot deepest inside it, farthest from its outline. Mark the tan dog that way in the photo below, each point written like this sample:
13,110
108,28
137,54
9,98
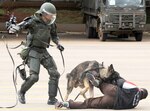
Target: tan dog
77,77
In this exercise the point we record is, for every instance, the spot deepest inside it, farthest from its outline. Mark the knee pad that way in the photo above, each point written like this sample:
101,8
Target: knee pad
34,77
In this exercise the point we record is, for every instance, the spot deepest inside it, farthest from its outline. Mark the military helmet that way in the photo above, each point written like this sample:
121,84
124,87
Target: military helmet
50,9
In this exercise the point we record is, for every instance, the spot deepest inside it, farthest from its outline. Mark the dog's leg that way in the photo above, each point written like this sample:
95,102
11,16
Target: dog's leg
84,96
86,87
70,86
91,91
69,90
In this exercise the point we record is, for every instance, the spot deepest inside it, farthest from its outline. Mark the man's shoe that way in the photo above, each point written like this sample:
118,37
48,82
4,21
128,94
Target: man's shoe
21,98
52,101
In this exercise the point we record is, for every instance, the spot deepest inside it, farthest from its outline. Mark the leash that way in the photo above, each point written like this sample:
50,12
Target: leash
60,94
13,73
63,60
17,46
77,96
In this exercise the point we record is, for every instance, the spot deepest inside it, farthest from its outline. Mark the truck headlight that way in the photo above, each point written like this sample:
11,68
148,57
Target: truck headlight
141,26
109,25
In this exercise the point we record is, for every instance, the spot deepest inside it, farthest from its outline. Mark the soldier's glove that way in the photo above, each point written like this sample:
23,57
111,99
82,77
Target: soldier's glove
60,47
14,29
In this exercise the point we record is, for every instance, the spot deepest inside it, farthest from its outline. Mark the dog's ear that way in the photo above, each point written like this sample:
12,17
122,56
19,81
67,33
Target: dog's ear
111,68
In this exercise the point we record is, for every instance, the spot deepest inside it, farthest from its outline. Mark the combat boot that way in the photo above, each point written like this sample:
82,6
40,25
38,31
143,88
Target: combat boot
21,97
51,101
53,85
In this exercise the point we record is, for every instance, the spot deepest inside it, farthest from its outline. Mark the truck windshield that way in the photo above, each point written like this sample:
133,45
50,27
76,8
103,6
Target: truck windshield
123,3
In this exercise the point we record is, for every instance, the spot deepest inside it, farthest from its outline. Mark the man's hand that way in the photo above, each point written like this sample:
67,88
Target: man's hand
60,47
13,29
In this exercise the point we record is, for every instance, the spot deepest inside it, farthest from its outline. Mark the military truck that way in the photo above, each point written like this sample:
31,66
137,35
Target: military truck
114,18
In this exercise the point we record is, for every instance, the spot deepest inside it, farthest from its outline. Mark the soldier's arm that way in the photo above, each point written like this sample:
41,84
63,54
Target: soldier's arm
54,35
25,24
55,38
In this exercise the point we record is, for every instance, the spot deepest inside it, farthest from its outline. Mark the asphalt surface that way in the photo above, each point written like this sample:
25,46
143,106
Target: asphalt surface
130,58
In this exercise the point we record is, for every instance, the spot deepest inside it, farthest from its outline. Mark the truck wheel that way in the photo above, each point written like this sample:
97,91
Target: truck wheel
138,36
94,33
89,32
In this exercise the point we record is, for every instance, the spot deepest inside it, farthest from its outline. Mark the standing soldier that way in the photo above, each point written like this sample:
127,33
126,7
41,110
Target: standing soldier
41,29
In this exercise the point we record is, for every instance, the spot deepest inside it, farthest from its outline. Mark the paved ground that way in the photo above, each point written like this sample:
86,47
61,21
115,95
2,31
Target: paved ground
130,58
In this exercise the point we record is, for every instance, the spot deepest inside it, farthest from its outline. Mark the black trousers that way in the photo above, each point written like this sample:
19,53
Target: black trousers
104,102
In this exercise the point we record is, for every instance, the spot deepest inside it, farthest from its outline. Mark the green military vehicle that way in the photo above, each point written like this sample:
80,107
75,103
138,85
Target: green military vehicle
114,18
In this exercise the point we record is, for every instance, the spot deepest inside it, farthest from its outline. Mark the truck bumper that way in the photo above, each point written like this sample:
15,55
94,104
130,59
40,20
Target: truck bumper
117,28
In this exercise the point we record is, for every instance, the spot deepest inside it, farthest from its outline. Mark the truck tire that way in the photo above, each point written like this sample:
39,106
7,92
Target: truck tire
94,33
91,32
138,36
